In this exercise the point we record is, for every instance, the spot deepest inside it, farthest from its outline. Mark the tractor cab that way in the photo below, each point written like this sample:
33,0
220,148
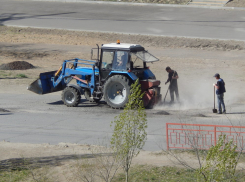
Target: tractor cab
119,58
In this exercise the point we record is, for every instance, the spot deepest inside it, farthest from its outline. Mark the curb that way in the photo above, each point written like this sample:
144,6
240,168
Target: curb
139,4
127,33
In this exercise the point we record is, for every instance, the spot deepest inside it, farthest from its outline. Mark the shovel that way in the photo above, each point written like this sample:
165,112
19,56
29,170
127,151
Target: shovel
214,110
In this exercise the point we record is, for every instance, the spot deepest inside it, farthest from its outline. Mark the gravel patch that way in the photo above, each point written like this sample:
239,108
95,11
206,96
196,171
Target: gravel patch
200,115
3,110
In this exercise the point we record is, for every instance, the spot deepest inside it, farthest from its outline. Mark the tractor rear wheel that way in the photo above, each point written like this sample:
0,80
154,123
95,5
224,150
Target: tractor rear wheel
87,95
116,91
71,97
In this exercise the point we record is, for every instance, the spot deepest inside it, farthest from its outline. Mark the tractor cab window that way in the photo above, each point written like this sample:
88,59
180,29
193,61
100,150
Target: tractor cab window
120,60
139,58
136,62
107,59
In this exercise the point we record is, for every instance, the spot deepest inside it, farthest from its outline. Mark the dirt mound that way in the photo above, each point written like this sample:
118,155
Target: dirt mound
17,65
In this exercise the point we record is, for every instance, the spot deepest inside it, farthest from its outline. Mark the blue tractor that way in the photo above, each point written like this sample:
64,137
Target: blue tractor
110,75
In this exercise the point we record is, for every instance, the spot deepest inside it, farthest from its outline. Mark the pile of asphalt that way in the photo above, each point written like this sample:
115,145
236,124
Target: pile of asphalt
3,110
16,65
200,115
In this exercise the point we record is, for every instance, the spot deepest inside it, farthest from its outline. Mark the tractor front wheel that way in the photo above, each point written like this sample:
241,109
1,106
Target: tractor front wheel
71,97
116,91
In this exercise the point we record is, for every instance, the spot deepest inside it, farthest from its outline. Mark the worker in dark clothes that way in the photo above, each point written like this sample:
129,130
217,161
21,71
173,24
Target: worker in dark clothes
220,90
173,87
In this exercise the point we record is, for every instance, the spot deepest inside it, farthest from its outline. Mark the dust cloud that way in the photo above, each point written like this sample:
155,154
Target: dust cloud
198,93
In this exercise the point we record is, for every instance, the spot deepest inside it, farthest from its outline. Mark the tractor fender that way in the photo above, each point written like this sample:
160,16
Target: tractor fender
148,74
76,87
132,76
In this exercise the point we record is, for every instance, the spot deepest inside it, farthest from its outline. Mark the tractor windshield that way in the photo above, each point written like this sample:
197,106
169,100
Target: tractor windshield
145,56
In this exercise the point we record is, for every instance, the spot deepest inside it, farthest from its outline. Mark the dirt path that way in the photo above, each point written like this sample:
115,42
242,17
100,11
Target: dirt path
65,37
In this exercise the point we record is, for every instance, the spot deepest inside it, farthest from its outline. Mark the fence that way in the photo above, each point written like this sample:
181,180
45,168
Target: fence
190,136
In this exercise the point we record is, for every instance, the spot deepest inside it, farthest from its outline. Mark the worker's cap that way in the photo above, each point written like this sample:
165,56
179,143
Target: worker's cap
217,75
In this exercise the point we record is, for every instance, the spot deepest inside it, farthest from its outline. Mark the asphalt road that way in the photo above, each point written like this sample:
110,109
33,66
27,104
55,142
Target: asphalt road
45,119
150,20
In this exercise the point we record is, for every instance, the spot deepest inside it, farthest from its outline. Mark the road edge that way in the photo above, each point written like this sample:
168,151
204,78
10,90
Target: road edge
124,33
140,4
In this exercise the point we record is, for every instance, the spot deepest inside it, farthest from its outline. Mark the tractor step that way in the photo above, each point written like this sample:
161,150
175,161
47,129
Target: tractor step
96,98
98,93
100,87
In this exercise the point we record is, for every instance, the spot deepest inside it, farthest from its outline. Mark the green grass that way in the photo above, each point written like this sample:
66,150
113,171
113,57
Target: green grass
7,74
14,176
144,173
4,74
21,76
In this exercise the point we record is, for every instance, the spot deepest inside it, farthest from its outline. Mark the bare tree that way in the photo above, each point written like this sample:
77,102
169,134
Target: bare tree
102,165
129,133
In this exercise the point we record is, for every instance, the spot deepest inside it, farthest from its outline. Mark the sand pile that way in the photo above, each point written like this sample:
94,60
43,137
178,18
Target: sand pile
16,65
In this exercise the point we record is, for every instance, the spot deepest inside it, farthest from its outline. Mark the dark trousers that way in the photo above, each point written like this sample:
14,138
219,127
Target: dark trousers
173,89
220,98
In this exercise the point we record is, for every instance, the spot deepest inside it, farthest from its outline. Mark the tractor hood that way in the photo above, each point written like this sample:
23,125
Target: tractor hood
87,70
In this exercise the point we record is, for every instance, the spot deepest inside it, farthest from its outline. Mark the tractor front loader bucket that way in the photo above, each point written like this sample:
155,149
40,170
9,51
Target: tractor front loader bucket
44,84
